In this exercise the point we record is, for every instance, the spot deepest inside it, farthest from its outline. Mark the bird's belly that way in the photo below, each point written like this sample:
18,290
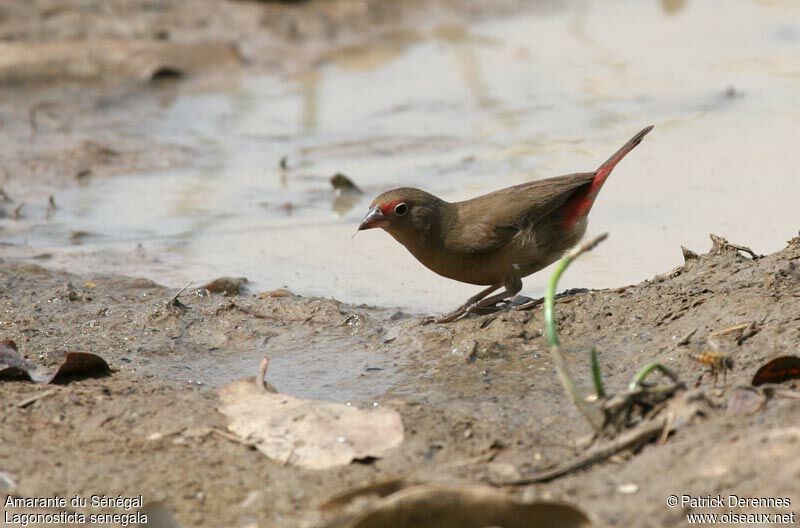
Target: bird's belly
525,254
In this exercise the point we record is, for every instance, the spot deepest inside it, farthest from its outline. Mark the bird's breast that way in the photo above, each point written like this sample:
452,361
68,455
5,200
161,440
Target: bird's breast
532,249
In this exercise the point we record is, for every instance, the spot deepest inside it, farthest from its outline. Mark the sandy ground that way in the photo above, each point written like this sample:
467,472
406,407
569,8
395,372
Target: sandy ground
479,398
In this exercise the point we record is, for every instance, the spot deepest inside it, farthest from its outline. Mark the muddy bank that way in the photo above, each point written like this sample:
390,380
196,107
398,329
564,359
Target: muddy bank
481,385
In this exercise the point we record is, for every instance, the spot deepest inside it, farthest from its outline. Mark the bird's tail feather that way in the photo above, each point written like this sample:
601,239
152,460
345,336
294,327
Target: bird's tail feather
582,203
605,169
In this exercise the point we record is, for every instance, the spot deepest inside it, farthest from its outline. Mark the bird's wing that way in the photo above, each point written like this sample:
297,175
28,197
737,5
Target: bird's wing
491,221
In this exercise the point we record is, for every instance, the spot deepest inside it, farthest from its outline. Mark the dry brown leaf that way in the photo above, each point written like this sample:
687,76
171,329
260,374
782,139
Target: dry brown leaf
441,506
778,370
308,433
231,286
74,364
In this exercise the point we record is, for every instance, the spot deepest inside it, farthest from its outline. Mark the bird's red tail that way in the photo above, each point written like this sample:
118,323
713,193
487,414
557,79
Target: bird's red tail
581,202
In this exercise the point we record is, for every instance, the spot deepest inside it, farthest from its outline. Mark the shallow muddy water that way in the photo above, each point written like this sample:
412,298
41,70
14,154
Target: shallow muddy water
461,111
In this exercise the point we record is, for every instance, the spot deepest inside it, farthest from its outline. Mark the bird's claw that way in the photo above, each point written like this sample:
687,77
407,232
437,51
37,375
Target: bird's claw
527,305
456,315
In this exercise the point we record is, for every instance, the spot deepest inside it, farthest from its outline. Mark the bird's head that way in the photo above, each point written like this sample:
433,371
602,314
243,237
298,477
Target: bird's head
403,210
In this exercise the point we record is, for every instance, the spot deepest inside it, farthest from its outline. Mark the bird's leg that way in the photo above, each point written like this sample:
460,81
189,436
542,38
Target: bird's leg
513,287
533,303
461,310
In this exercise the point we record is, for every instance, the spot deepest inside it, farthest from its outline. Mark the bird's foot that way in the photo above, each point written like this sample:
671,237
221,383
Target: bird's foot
527,304
452,316
459,313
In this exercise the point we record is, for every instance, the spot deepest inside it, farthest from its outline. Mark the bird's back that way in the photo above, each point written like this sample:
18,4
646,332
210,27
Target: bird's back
488,222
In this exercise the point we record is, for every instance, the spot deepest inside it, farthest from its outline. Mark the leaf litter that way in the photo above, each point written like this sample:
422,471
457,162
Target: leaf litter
312,434
73,365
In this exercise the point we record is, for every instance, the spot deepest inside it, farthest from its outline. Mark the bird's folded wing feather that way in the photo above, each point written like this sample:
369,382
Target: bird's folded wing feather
491,221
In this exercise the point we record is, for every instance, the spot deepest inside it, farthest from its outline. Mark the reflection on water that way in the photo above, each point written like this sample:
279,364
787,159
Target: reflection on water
461,111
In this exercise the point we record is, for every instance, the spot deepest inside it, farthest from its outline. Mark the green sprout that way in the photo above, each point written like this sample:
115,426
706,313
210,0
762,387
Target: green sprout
592,414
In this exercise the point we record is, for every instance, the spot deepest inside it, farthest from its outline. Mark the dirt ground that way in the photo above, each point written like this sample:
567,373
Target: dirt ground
479,398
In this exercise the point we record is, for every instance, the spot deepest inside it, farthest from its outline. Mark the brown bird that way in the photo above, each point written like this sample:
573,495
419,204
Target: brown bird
496,239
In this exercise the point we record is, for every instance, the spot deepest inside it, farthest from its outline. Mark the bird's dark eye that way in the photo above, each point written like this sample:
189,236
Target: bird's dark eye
400,209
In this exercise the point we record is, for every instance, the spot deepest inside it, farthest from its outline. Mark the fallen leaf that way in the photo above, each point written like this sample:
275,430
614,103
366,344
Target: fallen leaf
778,370
12,365
442,506
226,285
308,433
74,364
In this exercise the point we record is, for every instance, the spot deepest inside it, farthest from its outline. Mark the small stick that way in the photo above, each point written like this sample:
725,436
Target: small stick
786,393
228,436
180,292
233,306
631,439
670,422
687,338
745,249
36,397
261,380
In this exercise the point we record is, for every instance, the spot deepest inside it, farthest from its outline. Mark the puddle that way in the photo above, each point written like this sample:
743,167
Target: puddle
462,111
341,369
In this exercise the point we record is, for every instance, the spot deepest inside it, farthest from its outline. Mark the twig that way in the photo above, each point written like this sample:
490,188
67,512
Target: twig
786,393
181,292
36,397
687,338
631,439
261,380
228,436
672,415
248,311
745,249
720,243
485,457
175,302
